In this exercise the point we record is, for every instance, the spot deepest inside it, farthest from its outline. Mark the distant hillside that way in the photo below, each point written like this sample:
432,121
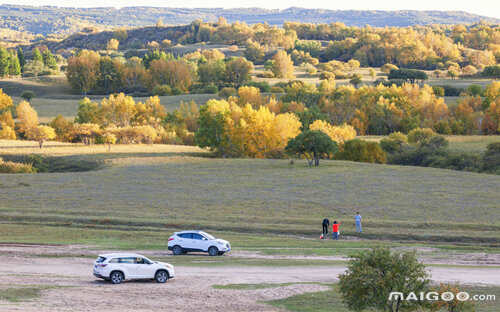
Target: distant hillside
48,19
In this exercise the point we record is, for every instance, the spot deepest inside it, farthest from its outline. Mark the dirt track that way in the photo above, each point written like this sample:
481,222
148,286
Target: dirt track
189,291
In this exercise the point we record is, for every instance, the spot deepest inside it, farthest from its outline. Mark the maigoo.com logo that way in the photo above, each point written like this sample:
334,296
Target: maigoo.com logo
435,296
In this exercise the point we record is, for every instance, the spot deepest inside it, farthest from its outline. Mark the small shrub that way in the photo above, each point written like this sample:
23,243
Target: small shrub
326,75
276,89
266,74
362,151
162,90
15,167
227,92
419,134
28,95
262,85
394,142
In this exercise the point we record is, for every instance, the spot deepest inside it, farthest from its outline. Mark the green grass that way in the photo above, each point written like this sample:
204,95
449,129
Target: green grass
320,301
258,286
331,300
261,198
458,143
22,293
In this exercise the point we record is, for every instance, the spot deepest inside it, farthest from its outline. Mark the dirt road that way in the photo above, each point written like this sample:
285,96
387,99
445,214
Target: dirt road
191,290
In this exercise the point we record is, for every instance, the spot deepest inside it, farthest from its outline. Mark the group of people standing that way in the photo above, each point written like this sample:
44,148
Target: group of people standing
335,227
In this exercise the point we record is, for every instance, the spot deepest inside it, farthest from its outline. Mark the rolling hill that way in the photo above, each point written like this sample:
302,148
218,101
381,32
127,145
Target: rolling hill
57,20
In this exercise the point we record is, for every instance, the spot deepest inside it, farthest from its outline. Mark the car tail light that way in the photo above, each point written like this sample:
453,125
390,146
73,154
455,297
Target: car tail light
170,239
102,265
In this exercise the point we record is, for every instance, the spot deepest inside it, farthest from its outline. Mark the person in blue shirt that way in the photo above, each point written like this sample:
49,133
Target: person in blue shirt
357,218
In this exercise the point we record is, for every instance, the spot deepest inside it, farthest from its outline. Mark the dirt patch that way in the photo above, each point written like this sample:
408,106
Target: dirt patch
78,290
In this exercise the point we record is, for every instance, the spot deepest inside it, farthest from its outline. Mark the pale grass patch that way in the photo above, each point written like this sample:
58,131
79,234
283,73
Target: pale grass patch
64,149
127,161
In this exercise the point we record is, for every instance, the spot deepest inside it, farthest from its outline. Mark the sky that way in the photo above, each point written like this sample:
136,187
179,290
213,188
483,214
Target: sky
482,7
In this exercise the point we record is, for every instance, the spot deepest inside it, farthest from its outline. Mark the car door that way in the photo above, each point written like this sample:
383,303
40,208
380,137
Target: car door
201,242
127,264
144,268
187,241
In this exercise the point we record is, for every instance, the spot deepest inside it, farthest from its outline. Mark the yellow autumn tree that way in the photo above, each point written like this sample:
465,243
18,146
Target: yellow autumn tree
41,134
282,66
339,134
7,132
27,116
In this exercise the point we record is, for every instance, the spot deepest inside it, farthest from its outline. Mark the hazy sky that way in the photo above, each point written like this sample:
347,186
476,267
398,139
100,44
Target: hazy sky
482,7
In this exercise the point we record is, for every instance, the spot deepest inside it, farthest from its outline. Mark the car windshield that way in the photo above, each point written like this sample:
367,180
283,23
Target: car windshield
207,235
100,259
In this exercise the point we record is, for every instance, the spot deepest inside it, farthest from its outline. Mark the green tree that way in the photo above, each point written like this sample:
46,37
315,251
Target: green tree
362,151
372,275
14,66
49,60
355,80
4,62
211,132
22,58
37,56
312,145
238,71
28,95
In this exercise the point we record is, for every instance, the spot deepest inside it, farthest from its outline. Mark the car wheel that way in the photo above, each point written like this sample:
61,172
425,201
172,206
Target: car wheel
177,250
161,276
116,277
213,251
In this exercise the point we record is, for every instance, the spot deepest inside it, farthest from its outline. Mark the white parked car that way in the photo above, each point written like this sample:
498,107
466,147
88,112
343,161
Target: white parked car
117,267
186,241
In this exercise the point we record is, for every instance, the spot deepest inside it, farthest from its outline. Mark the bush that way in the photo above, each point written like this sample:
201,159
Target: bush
491,71
227,92
394,142
276,89
15,167
326,75
491,158
266,74
362,151
262,85
438,91
419,134
162,90
450,90
28,95
474,90
407,74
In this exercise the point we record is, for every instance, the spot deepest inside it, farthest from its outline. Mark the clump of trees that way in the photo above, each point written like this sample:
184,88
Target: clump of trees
157,72
423,147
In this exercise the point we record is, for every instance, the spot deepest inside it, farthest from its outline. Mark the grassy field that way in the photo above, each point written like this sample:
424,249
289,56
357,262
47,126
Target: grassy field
459,143
331,300
155,190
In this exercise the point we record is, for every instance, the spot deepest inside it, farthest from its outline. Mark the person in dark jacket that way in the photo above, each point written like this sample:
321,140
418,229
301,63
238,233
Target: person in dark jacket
326,224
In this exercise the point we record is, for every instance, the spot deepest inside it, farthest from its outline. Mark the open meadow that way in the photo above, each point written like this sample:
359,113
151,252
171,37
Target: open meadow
54,224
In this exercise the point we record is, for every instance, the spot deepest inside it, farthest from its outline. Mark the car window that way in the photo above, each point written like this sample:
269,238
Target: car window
197,236
127,260
208,235
100,259
139,260
114,260
186,235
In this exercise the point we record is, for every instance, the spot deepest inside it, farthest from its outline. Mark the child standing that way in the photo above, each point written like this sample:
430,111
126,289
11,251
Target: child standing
335,230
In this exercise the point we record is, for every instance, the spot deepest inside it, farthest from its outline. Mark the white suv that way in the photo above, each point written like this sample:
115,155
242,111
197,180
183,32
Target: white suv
185,241
117,267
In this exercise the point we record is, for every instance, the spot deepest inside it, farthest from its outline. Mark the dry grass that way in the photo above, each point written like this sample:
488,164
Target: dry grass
65,149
